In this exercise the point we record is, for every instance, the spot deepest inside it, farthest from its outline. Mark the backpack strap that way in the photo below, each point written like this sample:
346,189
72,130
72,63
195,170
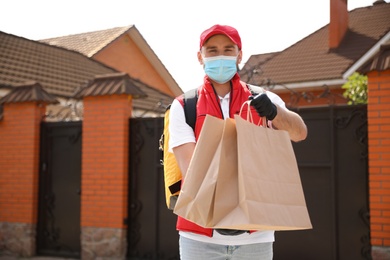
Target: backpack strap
190,98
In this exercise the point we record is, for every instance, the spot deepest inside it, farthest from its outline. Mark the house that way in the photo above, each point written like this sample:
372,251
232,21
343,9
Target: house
124,49
311,72
40,85
314,68
62,73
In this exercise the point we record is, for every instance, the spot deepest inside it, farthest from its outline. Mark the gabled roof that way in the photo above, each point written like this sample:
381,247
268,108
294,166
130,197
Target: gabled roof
61,72
91,43
88,43
310,62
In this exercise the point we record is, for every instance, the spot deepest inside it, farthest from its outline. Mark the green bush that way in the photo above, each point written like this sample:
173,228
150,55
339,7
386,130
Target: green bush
356,89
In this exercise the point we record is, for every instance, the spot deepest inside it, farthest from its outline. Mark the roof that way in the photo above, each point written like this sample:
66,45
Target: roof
379,62
31,91
91,43
118,83
310,60
146,98
61,72
88,43
255,63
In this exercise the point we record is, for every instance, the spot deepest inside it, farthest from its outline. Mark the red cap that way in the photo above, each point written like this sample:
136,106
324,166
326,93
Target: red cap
221,29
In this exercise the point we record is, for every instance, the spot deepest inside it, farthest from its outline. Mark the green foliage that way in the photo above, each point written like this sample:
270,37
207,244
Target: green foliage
356,89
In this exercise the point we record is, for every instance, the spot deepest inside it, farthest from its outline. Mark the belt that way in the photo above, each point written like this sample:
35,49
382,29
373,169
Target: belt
230,232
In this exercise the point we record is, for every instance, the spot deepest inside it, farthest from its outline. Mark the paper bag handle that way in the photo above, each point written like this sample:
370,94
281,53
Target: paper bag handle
249,116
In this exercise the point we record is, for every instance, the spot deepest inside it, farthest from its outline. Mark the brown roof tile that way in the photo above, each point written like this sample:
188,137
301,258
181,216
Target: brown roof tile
28,92
379,62
88,43
255,62
59,71
118,83
311,60
156,100
62,72
147,98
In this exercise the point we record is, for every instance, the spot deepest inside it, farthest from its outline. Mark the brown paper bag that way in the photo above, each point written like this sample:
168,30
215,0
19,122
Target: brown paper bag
226,190
196,199
269,186
243,176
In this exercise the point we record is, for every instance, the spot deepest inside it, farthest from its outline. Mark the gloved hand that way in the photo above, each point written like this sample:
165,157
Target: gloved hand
264,106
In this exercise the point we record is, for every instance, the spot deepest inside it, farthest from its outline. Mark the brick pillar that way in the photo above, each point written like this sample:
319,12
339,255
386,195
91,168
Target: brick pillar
105,176
379,161
19,166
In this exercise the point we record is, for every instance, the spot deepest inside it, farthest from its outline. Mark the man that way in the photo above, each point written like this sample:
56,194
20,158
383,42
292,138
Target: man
222,95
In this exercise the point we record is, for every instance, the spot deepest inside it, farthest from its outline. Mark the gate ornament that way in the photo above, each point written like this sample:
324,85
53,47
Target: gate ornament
66,111
360,131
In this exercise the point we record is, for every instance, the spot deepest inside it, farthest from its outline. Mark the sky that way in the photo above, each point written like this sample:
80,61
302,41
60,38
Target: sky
172,27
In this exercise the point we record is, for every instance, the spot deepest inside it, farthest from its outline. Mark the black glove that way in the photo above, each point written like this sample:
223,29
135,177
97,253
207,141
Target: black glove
264,106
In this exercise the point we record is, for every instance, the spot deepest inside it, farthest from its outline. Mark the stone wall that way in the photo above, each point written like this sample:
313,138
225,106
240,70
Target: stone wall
17,239
103,243
380,253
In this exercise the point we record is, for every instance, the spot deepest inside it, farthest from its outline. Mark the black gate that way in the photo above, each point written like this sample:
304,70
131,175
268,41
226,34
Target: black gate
151,226
333,168
58,231
334,172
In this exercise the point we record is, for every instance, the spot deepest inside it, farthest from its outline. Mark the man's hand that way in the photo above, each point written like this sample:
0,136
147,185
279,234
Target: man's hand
264,106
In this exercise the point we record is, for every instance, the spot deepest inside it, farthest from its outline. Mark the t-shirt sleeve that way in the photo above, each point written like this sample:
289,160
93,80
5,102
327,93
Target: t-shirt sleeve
179,131
276,99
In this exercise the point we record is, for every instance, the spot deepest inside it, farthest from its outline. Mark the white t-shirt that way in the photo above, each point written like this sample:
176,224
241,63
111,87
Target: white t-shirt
181,133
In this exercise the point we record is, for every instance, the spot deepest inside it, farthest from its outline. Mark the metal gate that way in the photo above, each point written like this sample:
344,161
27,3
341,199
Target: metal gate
151,226
333,167
58,230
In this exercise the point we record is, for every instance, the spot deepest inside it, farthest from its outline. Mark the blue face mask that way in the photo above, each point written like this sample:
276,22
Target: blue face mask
221,69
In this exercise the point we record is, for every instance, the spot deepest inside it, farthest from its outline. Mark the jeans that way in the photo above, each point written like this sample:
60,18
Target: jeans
195,250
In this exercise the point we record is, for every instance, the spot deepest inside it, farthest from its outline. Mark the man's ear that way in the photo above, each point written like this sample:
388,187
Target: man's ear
239,57
200,59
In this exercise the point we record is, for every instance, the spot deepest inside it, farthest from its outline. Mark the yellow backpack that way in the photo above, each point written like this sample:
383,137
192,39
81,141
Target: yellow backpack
172,173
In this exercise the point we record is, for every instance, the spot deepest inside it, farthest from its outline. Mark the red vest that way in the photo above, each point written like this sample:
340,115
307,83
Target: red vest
209,104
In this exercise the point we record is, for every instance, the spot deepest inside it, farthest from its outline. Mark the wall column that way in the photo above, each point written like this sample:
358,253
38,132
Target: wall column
379,161
105,176
19,166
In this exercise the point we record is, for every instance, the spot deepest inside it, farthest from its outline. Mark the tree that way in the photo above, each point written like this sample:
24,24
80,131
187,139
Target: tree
356,89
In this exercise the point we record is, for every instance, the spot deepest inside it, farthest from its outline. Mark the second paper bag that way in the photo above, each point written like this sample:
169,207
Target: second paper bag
269,186
215,155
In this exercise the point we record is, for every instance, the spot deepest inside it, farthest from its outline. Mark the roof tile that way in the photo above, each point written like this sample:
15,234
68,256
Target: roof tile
310,59
63,72
29,92
58,70
88,43
119,83
379,62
